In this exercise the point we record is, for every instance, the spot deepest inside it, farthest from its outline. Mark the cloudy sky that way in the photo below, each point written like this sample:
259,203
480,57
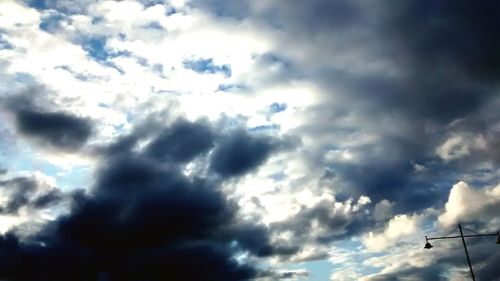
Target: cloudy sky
248,140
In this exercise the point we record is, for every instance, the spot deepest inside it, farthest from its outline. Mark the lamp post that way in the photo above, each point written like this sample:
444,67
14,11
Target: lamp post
429,246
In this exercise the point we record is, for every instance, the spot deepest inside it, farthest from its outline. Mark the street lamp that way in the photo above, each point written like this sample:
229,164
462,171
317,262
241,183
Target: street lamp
429,246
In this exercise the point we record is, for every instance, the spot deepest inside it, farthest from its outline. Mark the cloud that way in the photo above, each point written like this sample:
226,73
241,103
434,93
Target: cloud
395,102
182,141
207,66
56,129
398,227
241,153
392,103
458,146
28,200
62,5
383,210
447,261
38,117
296,274
25,193
315,226
468,204
143,219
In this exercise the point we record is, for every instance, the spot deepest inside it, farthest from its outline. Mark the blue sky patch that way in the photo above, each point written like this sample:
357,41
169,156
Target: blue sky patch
170,11
207,66
51,23
23,77
265,128
95,47
4,43
37,4
278,107
231,87
151,3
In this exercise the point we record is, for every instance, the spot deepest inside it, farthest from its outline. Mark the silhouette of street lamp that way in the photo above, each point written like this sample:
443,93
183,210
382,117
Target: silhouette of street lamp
429,246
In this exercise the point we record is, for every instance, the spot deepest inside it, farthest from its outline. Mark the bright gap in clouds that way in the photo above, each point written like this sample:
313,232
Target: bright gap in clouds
246,140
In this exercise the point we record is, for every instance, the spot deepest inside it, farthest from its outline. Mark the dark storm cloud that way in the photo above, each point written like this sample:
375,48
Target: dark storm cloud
456,37
241,153
256,239
432,98
60,261
37,115
488,269
136,204
26,192
448,56
144,220
57,129
182,141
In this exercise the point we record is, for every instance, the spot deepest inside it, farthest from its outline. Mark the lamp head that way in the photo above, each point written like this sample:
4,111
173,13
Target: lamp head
428,245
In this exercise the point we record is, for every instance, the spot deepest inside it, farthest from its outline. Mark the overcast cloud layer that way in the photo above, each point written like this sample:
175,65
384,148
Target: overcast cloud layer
248,140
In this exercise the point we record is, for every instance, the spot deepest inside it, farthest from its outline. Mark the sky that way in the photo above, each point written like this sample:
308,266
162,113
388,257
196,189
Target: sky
147,140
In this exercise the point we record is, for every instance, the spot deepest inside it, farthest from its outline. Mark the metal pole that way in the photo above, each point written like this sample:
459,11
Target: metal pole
467,253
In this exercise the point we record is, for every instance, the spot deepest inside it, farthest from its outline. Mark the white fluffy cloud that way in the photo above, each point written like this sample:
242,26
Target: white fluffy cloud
398,228
467,203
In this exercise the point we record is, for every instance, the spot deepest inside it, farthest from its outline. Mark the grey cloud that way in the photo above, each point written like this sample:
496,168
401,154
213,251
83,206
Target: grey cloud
26,192
482,256
241,153
429,77
56,129
285,274
145,220
182,141
455,37
18,190
397,79
39,118
321,224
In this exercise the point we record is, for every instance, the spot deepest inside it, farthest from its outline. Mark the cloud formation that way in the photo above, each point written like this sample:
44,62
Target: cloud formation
186,111
141,220
38,118
240,153
54,128
468,204
182,142
27,193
